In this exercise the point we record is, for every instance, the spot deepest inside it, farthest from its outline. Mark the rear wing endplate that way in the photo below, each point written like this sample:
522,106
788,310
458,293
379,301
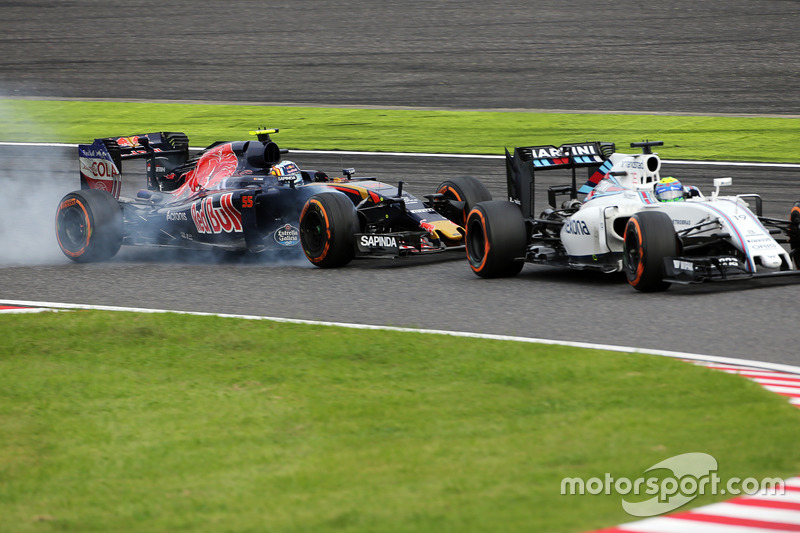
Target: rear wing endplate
101,161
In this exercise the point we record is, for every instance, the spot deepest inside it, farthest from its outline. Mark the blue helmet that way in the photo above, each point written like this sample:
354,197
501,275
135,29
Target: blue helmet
288,173
669,190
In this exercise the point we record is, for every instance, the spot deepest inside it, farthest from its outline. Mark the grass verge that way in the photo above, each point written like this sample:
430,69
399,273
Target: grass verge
685,137
134,422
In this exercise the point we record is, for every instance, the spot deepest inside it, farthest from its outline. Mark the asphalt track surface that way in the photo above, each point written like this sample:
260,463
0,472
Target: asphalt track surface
716,57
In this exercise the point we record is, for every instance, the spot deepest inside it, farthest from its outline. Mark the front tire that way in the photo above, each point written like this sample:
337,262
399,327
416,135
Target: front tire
328,223
465,189
649,238
89,225
794,234
496,239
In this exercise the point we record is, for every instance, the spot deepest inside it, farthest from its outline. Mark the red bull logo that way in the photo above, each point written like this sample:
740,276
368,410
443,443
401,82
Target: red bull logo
128,142
212,220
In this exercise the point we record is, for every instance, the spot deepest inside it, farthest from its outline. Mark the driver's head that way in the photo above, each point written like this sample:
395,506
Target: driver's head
287,172
669,190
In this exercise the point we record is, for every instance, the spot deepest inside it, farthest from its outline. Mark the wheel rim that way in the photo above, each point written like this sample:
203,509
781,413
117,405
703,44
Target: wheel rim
312,231
476,242
73,228
633,252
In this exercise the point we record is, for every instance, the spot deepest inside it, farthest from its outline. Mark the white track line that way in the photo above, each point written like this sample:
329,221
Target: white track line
778,367
456,156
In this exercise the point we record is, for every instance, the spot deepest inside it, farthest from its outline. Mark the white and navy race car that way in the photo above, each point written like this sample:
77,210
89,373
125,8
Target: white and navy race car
656,230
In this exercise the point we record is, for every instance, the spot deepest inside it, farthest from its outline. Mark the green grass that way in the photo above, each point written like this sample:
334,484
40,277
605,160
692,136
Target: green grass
135,422
685,137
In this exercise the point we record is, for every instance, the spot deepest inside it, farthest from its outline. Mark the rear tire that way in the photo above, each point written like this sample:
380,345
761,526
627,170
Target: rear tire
465,189
496,239
649,238
89,225
328,223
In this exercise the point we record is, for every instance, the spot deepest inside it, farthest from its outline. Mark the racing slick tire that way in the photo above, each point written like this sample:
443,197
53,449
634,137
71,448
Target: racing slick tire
465,189
649,238
794,234
328,223
89,225
496,239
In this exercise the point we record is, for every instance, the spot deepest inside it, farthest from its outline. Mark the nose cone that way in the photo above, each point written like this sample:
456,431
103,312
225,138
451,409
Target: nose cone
771,261
444,229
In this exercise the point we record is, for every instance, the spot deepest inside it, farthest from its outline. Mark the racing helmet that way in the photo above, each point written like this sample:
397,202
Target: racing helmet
287,172
669,190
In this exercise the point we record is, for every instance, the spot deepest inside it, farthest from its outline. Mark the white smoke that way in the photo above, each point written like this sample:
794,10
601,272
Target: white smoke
30,190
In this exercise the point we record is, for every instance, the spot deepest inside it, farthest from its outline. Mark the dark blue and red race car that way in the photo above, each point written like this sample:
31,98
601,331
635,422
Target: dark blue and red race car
243,197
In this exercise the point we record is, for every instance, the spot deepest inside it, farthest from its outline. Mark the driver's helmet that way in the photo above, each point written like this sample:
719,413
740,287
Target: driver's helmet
669,190
287,172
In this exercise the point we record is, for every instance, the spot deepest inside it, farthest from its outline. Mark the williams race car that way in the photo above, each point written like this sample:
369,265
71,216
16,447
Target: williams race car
655,230
242,197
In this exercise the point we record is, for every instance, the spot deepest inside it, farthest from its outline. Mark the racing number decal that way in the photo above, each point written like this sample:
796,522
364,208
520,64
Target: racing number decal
247,201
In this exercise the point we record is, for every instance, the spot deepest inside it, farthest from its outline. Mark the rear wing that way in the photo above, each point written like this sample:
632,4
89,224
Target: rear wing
522,165
101,161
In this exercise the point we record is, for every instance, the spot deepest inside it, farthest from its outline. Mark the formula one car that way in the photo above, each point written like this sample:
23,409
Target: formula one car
622,226
242,197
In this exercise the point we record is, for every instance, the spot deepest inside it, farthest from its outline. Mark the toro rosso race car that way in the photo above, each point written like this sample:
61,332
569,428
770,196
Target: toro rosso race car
655,230
241,196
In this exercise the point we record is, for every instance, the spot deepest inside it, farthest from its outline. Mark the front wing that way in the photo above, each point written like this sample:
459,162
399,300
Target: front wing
686,270
398,244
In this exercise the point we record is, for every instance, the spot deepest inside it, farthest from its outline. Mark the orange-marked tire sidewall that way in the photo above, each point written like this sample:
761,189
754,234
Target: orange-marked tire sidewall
486,242
640,267
75,202
324,214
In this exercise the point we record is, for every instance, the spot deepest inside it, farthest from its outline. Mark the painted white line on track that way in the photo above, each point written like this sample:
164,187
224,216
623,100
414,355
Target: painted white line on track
455,156
779,367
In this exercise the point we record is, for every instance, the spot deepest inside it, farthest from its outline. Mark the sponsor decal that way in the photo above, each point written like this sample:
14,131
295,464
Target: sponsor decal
632,164
128,142
375,241
681,222
213,167
99,168
427,226
576,227
212,220
685,266
180,215
68,203
549,152
94,154
287,235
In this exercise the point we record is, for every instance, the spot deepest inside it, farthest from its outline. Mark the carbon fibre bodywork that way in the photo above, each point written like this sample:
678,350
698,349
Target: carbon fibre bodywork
229,196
